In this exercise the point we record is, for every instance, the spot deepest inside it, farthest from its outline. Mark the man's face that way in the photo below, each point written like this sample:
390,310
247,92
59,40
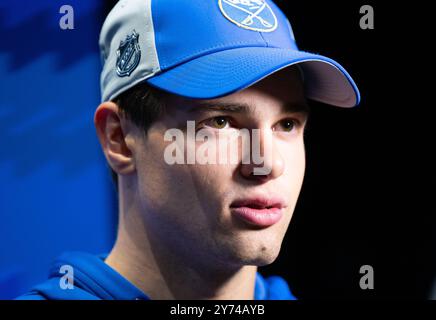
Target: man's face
189,207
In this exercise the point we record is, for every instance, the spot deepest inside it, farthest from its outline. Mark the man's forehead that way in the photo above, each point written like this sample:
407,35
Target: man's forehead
244,108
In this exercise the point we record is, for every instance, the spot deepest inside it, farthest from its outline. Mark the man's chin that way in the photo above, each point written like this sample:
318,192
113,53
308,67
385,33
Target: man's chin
255,255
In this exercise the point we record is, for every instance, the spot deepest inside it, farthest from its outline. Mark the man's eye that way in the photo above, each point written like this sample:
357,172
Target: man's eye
218,122
287,125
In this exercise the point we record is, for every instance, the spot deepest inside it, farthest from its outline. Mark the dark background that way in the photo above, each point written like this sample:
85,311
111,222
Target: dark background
366,192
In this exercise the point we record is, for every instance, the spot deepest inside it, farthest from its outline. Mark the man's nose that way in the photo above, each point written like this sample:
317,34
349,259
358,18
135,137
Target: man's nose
261,158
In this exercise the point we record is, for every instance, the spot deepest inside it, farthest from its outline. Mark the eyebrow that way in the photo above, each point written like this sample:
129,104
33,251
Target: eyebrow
245,108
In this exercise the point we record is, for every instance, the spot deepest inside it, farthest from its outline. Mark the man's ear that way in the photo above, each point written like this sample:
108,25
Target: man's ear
115,141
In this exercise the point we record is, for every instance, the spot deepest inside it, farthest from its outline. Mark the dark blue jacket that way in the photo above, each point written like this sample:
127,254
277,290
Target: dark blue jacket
95,280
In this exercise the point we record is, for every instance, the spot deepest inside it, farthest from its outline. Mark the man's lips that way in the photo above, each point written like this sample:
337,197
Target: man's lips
259,202
258,211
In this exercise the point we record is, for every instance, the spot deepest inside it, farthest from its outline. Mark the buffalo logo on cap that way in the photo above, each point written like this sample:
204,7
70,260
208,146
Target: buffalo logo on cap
254,15
128,55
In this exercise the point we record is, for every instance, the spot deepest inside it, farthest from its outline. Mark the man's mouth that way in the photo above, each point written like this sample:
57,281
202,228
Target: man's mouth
258,211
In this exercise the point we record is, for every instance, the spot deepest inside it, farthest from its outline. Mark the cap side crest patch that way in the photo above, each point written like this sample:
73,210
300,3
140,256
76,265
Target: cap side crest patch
128,55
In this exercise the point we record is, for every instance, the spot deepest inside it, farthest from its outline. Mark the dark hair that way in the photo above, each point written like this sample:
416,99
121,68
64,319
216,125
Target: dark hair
143,105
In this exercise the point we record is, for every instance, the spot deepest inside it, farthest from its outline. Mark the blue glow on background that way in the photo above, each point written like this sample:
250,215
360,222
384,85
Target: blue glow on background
55,192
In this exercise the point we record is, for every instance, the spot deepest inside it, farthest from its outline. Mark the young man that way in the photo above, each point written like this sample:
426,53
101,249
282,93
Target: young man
191,89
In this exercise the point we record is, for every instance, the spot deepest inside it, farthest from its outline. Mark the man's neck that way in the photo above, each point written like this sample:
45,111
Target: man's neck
161,274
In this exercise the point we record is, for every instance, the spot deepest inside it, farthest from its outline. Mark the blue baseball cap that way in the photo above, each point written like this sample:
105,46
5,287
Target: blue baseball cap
206,49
